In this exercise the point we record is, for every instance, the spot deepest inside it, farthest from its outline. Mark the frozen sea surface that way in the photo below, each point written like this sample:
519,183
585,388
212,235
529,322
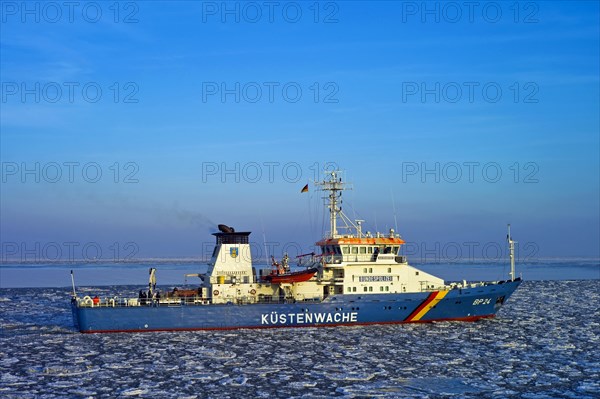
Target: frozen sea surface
543,344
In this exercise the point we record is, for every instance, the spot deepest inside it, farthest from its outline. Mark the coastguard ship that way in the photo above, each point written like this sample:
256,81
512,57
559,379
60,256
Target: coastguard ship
357,279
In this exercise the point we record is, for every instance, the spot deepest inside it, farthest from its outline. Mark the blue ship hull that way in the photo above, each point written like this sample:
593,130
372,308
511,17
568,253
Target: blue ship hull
466,304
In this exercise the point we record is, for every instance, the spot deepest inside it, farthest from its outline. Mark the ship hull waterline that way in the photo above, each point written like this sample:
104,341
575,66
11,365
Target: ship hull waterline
469,304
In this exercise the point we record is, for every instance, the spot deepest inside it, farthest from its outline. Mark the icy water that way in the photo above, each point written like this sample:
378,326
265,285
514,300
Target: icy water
543,344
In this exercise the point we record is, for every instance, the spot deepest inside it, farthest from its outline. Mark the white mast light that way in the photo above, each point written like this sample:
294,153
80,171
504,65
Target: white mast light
511,249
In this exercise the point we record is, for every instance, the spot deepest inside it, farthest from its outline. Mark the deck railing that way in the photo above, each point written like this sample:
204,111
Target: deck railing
117,301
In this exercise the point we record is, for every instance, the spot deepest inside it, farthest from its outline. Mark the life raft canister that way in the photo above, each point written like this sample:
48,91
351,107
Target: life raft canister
215,292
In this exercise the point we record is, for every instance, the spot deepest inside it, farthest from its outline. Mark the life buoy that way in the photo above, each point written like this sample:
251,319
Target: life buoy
215,292
87,301
253,291
111,302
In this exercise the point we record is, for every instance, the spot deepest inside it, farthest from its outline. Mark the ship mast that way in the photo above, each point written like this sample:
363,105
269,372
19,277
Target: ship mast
511,249
335,186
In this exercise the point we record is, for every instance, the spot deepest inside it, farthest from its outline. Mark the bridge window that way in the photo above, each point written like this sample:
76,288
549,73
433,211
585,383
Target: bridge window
370,250
354,250
363,250
337,250
395,250
346,250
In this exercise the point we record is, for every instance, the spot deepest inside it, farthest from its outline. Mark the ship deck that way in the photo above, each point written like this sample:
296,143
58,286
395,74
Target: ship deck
123,301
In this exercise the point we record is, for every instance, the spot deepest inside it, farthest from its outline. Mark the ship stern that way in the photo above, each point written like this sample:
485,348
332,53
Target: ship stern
74,311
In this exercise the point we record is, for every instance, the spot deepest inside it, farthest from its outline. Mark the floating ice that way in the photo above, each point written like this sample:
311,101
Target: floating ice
540,345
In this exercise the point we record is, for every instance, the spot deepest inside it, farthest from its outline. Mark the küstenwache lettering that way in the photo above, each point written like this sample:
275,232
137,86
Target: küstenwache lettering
307,318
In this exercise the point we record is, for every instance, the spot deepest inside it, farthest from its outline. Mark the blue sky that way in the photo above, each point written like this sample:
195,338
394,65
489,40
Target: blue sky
385,90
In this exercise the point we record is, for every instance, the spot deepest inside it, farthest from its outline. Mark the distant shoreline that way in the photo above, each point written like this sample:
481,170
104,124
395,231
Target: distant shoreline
165,261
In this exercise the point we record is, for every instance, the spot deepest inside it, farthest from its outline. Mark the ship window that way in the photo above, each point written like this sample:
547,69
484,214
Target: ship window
345,250
354,250
349,289
353,289
371,289
370,270
389,269
416,273
387,288
363,250
232,238
364,270
381,289
365,289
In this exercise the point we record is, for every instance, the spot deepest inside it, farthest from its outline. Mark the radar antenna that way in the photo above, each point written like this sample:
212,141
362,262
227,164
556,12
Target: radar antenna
333,183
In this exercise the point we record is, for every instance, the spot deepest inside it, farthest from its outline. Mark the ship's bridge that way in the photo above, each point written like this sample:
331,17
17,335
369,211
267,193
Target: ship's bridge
361,249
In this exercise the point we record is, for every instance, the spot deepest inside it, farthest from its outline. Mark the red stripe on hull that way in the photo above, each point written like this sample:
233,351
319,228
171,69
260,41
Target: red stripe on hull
426,302
466,319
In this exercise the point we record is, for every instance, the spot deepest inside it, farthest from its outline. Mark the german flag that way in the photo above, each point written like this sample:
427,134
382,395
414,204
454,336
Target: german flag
304,189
